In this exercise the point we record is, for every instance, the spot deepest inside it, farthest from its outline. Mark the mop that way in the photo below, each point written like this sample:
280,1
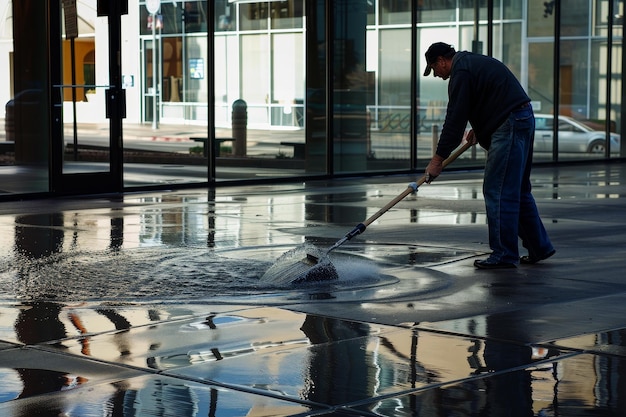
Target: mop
308,263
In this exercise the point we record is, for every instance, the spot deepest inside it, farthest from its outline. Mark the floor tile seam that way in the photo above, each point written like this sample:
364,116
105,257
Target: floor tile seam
84,358
352,411
10,345
540,343
169,374
587,351
90,335
459,259
393,327
569,350
619,292
595,299
452,382
139,326
244,389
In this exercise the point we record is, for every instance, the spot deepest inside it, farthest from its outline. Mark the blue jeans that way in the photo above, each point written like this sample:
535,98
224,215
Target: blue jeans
511,208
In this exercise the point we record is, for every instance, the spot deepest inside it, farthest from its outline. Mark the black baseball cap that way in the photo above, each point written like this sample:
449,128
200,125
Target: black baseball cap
436,50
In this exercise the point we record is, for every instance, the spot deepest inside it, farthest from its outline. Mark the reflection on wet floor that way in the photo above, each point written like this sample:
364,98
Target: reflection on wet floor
293,362
167,250
152,304
184,274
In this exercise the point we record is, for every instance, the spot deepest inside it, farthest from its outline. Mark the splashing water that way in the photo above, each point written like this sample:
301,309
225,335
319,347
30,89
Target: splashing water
179,274
305,263
139,275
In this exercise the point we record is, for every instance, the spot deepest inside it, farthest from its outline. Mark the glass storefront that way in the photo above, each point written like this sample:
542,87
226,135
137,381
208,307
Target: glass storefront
24,149
201,92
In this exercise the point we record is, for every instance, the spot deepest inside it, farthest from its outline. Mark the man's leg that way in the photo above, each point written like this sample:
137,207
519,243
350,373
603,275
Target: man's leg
531,230
501,189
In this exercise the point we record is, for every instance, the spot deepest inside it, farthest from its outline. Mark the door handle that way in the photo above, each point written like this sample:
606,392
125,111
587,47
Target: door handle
116,103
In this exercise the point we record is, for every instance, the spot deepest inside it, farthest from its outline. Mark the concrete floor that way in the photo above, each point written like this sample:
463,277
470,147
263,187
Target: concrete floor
157,304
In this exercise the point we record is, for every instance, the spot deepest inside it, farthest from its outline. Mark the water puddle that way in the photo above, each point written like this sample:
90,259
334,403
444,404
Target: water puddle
185,274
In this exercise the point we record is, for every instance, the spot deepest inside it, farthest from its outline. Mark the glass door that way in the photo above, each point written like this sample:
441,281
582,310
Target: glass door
88,99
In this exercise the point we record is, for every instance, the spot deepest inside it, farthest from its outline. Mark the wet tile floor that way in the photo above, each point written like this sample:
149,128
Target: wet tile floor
152,304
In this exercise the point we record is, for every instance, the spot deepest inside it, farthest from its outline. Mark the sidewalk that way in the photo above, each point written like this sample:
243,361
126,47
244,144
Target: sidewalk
151,304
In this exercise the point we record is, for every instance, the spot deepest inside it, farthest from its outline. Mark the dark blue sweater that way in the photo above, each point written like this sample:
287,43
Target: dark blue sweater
483,91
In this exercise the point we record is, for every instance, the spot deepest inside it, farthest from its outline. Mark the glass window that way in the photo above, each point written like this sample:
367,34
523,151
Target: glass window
615,116
287,80
352,86
195,76
168,20
430,11
467,7
512,48
432,92
260,93
574,79
194,16
175,17
255,70
287,14
395,12
253,16
224,15
172,70
575,18
540,18
25,147
390,136
511,9
226,85
540,89
540,76
145,21
467,41
597,113
395,67
316,136
601,15
266,58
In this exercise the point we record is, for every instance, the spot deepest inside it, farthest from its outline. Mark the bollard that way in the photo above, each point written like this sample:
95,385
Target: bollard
435,137
239,127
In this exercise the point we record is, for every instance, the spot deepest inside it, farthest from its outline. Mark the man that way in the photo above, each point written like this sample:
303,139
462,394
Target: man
484,92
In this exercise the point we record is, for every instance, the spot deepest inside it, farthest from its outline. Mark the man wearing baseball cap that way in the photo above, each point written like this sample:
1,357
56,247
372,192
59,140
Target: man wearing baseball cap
485,93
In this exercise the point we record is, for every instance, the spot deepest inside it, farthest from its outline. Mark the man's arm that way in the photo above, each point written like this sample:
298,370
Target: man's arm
457,115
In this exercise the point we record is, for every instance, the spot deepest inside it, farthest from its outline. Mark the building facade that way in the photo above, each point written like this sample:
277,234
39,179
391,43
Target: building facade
115,96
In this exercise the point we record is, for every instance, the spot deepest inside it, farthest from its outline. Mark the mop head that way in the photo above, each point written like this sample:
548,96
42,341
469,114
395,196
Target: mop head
303,264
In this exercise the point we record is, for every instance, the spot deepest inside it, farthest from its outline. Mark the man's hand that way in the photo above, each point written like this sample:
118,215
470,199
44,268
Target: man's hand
470,137
434,168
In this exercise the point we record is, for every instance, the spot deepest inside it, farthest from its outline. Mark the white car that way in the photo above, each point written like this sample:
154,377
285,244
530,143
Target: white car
574,136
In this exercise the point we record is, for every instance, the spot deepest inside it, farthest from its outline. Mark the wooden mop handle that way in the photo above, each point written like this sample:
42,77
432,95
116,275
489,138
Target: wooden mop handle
413,186
449,159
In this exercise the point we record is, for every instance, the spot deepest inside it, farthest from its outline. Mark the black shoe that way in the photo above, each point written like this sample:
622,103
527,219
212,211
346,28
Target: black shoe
529,260
487,264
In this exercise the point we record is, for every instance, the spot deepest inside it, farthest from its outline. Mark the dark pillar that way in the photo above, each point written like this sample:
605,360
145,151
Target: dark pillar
30,105
240,127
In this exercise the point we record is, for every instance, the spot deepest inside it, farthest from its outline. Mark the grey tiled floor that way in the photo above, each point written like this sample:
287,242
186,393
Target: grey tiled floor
152,304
